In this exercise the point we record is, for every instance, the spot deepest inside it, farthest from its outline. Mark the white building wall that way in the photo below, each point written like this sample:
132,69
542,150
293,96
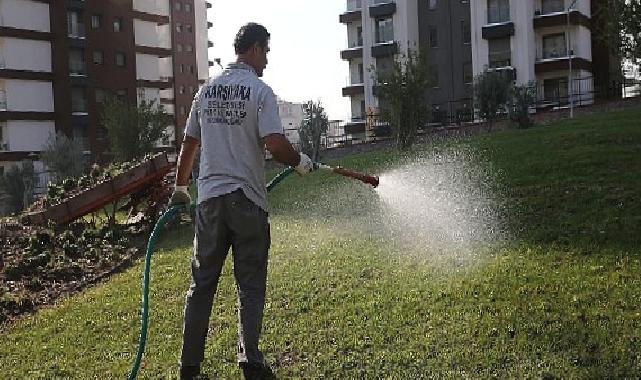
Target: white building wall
26,135
25,14
150,34
523,43
406,24
148,94
291,116
30,55
202,48
28,96
156,7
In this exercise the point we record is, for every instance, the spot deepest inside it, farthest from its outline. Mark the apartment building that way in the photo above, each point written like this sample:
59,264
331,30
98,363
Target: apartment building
548,42
377,30
291,116
446,39
60,59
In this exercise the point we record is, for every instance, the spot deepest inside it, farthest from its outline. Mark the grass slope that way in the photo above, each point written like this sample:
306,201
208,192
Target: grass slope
560,300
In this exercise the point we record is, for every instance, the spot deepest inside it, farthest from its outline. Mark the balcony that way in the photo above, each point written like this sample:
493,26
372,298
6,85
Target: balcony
354,87
497,30
385,49
356,125
545,20
352,53
549,61
384,8
353,12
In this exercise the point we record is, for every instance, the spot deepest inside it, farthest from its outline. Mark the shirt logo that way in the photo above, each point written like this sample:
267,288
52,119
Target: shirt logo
226,104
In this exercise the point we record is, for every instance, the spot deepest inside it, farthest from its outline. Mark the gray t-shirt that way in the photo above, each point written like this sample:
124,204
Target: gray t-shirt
230,115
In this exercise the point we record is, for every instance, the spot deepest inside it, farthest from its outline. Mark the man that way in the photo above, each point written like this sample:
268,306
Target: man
233,118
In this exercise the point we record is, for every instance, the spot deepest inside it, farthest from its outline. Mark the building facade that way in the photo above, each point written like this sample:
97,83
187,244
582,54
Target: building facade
291,116
60,59
377,30
545,42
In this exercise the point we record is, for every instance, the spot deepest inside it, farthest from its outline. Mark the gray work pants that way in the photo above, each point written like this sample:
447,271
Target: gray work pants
234,221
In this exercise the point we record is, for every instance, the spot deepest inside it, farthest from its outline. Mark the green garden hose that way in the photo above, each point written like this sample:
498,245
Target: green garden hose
168,215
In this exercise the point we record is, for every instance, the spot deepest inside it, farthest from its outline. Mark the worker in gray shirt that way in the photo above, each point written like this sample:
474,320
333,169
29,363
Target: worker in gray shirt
233,118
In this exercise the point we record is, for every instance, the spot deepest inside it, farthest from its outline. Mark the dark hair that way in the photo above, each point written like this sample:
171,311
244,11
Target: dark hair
248,35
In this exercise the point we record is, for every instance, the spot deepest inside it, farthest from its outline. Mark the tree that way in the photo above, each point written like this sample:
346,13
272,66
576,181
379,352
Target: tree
521,99
491,93
312,128
619,26
402,93
134,130
18,184
63,156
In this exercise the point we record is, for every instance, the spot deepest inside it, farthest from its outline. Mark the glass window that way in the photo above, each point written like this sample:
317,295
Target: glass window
191,69
433,36
182,89
549,6
121,95
178,5
179,47
118,24
120,59
500,53
101,95
498,11
78,99
75,26
98,57
431,4
468,76
189,28
466,32
77,62
554,46
187,7
189,48
384,30
179,27
96,21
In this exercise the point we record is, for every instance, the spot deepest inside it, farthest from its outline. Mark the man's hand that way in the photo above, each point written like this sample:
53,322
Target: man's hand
305,166
180,197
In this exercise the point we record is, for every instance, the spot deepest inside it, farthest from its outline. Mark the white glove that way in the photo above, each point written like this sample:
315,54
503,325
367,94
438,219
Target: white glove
305,165
180,197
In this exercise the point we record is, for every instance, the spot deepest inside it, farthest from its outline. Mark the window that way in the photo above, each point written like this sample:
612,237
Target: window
500,53
178,5
468,76
498,11
179,47
120,59
118,24
96,21
75,26
431,4
182,89
179,27
466,32
554,46
98,57
191,90
182,110
3,100
549,6
101,95
384,30
78,100
191,69
77,62
359,36
433,75
187,7
182,68
433,36
189,48
121,95
189,28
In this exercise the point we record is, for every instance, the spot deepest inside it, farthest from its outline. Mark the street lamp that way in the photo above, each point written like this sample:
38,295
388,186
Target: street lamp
570,59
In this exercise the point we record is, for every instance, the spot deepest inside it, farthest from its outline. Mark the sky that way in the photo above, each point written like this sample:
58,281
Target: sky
306,40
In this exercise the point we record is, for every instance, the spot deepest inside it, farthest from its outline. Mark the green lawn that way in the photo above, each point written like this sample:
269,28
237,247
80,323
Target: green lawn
558,299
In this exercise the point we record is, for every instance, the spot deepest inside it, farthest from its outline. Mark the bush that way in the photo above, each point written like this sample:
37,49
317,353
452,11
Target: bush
521,100
18,184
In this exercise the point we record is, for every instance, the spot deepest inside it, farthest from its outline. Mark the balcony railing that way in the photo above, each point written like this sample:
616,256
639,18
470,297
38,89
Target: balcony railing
354,5
355,44
77,68
76,30
375,2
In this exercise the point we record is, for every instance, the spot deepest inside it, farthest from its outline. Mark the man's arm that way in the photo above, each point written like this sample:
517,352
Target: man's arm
186,159
282,150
